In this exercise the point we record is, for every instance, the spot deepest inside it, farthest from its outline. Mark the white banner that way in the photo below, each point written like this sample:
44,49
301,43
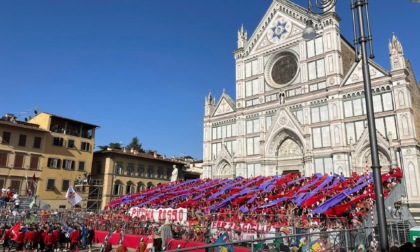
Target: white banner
157,215
247,230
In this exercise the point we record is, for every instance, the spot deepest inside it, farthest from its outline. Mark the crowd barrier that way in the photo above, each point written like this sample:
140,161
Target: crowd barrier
132,241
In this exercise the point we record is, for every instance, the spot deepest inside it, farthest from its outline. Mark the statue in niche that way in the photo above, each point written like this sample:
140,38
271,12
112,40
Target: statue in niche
174,176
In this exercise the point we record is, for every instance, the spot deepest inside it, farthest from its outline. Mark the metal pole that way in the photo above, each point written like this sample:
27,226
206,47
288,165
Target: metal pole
376,167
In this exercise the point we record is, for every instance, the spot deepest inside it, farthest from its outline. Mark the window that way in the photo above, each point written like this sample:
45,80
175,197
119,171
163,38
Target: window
160,172
15,185
34,162
37,142
252,102
252,146
54,163
168,174
298,113
251,68
268,120
354,130
129,188
316,69
50,184
321,137
317,86
6,137
141,170
253,170
140,187
252,126
223,131
18,160
293,92
65,185
98,168
130,169
118,188
216,147
314,47
81,165
319,114
231,146
324,165
251,88
68,164
22,140
118,168
3,159
150,172
58,141
357,106
70,143
84,146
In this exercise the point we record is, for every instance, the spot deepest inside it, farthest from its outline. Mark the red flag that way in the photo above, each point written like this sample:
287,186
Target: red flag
14,231
34,178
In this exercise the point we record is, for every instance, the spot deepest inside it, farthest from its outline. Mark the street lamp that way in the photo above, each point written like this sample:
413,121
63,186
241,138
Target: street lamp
361,9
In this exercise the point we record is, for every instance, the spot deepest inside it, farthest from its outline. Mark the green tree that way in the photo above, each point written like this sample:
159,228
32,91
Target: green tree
114,146
135,144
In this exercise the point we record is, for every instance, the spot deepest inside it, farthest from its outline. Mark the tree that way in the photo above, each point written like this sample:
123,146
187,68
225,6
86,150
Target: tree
135,145
114,146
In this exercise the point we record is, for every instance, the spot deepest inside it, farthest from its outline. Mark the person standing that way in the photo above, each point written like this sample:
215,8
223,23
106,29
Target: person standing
89,237
165,232
74,239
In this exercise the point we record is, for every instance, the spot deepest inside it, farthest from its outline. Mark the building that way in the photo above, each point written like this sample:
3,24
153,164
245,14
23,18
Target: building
66,157
119,172
299,105
21,154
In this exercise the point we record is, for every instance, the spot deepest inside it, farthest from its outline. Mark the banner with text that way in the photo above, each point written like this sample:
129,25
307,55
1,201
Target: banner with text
157,215
245,231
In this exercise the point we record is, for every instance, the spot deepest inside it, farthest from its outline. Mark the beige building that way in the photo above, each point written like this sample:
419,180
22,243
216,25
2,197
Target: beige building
66,157
119,172
21,153
299,105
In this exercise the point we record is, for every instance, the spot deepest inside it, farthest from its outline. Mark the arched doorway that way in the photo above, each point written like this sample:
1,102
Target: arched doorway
224,170
289,156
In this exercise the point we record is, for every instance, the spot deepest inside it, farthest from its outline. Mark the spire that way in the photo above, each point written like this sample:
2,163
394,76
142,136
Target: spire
242,37
396,54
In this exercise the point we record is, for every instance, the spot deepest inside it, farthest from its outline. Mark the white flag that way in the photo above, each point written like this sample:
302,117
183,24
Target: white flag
72,197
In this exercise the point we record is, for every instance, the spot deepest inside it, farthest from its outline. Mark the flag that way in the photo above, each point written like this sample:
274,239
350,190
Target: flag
72,197
223,238
14,231
34,178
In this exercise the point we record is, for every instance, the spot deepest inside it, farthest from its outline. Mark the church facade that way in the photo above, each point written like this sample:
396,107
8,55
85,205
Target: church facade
299,105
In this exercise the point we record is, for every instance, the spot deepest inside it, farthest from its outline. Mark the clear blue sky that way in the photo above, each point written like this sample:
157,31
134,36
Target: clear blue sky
143,67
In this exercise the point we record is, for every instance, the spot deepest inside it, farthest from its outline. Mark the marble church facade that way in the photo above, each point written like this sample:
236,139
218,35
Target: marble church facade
299,105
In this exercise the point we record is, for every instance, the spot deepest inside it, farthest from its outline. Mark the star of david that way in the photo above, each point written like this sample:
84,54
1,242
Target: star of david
72,195
279,29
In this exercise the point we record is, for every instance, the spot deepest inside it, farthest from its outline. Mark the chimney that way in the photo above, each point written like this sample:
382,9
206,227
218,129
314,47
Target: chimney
124,150
164,156
155,154
132,150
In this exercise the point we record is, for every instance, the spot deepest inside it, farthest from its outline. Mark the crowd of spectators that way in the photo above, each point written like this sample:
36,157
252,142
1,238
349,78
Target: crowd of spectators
287,204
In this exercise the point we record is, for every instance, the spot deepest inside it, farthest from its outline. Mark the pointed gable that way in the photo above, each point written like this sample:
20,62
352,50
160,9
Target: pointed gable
283,23
225,105
355,75
283,121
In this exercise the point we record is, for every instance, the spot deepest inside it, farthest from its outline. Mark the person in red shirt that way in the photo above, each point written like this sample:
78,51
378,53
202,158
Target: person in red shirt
74,239
6,238
49,242
28,239
56,238
20,240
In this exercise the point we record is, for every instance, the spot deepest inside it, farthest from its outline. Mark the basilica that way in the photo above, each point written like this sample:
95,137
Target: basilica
300,105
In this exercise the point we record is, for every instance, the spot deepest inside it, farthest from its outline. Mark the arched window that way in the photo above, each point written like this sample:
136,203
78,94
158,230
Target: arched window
401,99
118,188
130,188
140,187
150,185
